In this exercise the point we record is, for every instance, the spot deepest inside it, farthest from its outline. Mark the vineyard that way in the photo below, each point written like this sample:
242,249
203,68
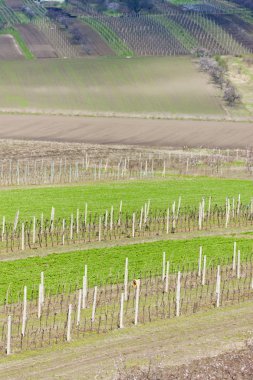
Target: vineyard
43,317
173,34
126,203
81,228
219,27
118,167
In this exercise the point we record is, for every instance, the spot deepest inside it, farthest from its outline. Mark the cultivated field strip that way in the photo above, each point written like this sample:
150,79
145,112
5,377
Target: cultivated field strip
58,39
116,225
172,33
42,318
65,170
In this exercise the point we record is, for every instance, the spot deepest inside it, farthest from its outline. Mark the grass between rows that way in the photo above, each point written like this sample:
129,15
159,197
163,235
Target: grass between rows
108,263
21,43
101,196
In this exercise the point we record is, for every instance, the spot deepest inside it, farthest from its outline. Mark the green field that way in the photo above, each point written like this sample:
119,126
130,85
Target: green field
170,85
108,263
102,196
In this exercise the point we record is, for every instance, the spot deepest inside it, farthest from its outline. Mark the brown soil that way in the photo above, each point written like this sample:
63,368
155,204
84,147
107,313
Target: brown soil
36,41
146,132
169,342
9,48
91,43
230,366
14,4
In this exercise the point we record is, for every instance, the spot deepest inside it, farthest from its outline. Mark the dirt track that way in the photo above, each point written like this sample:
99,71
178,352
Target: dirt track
175,133
9,48
170,342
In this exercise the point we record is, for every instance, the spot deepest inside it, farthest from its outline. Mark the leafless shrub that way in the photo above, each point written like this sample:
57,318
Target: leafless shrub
217,72
231,96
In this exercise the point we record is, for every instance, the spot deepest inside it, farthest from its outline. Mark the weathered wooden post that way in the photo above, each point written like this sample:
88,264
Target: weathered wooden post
178,289
168,221
203,209
200,261
3,228
239,264
24,316
174,216
16,221
52,218
63,231
71,227
126,280
120,213
167,277
233,207
137,297
204,271
99,228
164,169
133,226
34,230
69,324
218,281
209,207
42,287
227,212
178,206
94,304
85,213
163,266
79,307
39,301
111,219
8,349
106,218
141,216
77,221
22,237
121,314
200,216
239,204
85,285
234,258
41,221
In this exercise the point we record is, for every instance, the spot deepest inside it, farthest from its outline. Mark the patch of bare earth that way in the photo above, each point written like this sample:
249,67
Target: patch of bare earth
90,41
36,41
232,365
9,48
128,131
15,4
174,342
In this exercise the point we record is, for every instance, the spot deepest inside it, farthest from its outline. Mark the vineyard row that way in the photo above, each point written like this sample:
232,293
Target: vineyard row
119,225
49,319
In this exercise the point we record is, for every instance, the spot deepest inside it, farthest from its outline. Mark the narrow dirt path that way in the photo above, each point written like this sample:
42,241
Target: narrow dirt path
171,342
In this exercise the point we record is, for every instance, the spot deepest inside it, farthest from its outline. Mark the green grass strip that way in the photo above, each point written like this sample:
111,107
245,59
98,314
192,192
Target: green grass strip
111,38
101,196
106,263
21,43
